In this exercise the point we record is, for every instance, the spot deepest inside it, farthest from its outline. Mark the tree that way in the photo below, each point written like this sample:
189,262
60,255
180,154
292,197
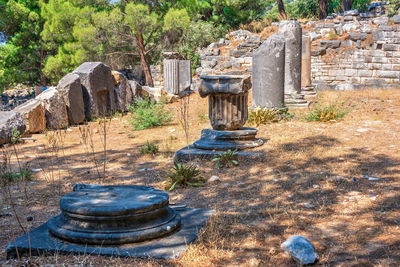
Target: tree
142,23
323,9
281,9
346,4
21,53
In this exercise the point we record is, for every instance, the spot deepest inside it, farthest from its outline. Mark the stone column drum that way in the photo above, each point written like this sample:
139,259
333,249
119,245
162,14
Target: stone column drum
171,75
268,73
306,62
291,29
227,102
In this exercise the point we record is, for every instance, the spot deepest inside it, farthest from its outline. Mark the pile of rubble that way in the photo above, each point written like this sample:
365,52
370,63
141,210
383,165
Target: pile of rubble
92,90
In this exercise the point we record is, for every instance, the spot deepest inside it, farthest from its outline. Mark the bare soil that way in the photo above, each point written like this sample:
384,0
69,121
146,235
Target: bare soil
317,180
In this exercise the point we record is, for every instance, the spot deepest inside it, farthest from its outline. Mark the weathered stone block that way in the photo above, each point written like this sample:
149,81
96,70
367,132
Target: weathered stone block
330,43
391,47
122,90
55,108
268,70
350,72
365,73
98,89
70,89
387,74
237,52
10,120
33,114
355,36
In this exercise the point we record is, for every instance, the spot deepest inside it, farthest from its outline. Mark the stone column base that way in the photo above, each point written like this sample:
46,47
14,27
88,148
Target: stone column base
213,143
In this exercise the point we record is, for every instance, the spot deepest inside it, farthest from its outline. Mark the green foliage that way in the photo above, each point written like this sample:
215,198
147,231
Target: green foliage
149,148
182,175
331,112
16,137
295,9
226,159
20,55
147,114
176,20
198,35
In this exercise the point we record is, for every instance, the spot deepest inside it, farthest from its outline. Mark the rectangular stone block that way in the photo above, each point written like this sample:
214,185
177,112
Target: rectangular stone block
359,65
350,72
379,60
336,72
387,67
387,74
391,47
371,81
365,73
374,66
185,74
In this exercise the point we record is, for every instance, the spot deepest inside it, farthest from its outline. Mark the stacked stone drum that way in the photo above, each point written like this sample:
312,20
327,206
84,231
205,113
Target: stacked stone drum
112,215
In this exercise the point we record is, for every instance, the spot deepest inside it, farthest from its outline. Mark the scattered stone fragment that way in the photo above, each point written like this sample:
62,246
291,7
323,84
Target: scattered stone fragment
34,116
8,121
55,108
213,179
300,249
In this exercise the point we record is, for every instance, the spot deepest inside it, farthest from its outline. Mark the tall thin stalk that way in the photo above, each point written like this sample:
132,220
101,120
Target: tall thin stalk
183,115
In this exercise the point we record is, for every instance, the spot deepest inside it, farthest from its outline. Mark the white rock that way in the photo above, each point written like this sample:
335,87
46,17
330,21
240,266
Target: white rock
213,179
300,249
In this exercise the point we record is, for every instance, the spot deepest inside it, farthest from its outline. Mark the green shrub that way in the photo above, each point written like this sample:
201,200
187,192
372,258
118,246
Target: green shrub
147,114
226,159
330,112
149,148
182,175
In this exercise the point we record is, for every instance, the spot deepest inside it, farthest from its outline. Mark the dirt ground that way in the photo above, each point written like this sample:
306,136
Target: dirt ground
335,183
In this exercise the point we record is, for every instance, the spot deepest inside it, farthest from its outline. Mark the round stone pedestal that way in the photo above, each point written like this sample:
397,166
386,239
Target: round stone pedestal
225,140
114,215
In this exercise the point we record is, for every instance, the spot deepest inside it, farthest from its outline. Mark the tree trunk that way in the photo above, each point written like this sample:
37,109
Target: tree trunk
42,59
281,9
346,4
323,9
143,60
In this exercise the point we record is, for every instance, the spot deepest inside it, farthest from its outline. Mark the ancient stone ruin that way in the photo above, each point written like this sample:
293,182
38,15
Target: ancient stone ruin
228,110
117,220
268,69
177,73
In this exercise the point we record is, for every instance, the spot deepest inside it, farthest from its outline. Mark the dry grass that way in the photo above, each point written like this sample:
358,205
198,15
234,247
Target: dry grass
310,183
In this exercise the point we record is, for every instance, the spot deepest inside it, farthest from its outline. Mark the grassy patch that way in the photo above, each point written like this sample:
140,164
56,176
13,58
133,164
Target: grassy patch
182,175
325,113
147,114
149,148
259,116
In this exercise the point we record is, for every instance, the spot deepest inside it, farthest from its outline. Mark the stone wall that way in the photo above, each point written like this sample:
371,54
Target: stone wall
354,51
356,54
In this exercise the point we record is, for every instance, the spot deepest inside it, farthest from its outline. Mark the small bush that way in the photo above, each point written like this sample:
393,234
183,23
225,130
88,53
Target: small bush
331,112
16,137
182,175
147,114
149,148
259,116
226,159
